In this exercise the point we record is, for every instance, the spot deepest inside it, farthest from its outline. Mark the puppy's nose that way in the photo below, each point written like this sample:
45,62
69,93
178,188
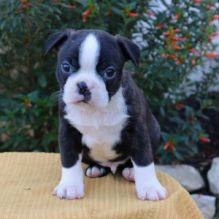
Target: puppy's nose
84,90
82,87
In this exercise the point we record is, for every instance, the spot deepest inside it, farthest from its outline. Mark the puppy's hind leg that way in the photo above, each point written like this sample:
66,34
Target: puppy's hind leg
128,173
96,170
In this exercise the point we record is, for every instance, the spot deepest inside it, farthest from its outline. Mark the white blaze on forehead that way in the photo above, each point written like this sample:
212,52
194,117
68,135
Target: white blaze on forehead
89,53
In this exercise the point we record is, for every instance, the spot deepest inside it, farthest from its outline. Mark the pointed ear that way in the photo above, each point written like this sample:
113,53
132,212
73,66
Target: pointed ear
129,49
55,40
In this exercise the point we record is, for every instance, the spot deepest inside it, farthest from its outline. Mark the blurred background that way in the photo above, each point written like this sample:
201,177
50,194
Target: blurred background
179,70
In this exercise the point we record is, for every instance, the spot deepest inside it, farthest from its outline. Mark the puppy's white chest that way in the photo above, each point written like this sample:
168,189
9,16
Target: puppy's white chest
101,140
100,128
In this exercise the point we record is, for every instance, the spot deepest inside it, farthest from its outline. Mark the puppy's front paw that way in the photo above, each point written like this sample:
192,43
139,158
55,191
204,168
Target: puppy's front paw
147,185
151,192
69,191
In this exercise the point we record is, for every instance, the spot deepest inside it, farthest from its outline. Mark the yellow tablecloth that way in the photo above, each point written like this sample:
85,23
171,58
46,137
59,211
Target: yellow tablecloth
27,181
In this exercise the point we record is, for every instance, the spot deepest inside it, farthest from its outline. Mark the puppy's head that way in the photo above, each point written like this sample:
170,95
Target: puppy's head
90,63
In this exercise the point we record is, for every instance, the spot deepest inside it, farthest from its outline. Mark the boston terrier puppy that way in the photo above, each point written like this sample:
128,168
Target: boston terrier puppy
104,118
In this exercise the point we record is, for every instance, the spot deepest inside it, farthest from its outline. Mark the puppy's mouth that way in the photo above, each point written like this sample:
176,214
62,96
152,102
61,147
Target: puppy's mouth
85,98
82,101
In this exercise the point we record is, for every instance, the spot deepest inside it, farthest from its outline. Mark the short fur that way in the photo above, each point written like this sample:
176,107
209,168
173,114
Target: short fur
121,130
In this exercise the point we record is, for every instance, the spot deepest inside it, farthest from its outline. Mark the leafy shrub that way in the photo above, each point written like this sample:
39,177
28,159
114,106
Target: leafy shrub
174,42
24,127
178,40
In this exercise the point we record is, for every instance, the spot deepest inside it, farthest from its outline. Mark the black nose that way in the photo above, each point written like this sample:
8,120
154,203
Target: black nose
82,87
83,90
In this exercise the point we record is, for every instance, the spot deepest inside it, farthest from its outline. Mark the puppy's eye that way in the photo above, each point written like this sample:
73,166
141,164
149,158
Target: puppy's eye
109,73
66,67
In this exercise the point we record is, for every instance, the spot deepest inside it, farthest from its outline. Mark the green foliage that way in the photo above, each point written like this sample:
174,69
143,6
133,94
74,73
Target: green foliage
29,122
177,40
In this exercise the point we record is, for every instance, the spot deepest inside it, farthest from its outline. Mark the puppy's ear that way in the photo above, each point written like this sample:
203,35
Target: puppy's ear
55,40
129,49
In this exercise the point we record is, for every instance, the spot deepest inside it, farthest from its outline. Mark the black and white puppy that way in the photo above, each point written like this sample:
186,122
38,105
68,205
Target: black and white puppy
104,118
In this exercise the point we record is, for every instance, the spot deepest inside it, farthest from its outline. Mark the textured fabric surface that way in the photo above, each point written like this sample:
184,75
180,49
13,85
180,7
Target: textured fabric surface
27,181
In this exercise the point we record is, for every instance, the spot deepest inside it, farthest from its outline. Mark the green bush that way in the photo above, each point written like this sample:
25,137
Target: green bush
177,40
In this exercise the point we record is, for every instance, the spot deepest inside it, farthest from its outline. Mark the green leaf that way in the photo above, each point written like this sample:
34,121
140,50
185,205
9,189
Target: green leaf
42,81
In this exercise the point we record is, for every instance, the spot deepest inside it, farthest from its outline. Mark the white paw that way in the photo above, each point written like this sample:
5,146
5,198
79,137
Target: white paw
146,183
95,171
69,191
128,173
152,192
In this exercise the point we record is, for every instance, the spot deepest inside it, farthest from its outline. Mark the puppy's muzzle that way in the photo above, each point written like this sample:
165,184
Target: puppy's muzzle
84,90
